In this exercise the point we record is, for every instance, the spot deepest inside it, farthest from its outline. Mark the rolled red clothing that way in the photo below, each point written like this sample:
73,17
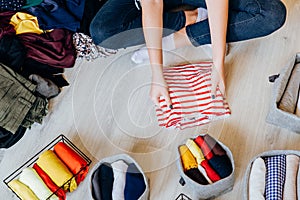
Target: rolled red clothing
50,184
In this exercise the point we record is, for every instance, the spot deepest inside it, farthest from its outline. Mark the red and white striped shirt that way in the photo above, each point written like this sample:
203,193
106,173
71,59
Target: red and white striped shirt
190,92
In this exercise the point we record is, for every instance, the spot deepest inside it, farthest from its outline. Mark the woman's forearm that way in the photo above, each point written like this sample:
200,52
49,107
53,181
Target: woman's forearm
218,19
152,26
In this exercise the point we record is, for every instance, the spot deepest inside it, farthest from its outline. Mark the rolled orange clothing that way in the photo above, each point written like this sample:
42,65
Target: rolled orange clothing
76,164
57,170
47,180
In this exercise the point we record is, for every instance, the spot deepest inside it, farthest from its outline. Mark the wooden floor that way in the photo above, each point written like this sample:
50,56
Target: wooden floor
106,110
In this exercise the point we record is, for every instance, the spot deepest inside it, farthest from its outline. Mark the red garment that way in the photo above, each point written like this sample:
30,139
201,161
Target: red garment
5,27
55,48
206,150
52,186
190,93
213,176
76,164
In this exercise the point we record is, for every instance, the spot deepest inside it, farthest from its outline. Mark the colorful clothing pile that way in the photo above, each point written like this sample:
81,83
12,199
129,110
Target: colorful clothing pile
190,92
38,40
54,173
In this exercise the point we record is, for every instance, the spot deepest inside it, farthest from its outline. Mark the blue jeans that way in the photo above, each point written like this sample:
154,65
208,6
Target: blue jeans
118,24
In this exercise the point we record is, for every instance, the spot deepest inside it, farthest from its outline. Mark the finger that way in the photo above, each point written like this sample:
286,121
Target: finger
155,100
222,88
213,89
168,100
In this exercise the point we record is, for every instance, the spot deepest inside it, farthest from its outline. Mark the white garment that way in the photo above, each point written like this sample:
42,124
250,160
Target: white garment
119,170
257,180
30,178
290,185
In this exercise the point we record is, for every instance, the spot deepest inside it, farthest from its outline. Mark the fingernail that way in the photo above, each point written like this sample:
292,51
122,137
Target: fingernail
171,106
213,96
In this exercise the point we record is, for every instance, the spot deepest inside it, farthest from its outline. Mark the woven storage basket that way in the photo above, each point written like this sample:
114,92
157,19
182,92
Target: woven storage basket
215,189
277,116
128,160
264,154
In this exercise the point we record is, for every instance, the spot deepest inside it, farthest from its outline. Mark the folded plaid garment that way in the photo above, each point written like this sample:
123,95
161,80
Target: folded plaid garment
190,92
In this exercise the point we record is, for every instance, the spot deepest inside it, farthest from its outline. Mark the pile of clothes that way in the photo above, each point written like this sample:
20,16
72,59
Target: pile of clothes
204,160
38,40
54,173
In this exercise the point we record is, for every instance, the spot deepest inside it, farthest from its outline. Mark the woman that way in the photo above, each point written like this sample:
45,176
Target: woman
123,23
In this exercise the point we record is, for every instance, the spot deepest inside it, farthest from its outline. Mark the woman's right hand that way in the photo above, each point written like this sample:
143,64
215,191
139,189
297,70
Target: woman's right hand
159,88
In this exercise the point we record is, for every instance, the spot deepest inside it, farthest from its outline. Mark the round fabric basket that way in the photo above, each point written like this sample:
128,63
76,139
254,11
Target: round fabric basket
264,154
215,189
128,160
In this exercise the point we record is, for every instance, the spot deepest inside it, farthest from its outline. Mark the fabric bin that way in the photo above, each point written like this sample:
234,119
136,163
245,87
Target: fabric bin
213,190
277,116
265,154
127,159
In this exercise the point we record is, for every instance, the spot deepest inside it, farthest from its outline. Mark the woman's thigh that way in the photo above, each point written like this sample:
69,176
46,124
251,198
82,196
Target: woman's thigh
247,19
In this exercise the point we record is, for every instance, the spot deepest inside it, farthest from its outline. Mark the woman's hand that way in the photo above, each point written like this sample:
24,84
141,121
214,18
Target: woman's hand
217,80
159,88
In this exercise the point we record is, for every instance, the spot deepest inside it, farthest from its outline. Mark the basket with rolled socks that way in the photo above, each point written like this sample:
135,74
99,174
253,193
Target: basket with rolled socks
57,169
206,166
273,175
118,177
285,104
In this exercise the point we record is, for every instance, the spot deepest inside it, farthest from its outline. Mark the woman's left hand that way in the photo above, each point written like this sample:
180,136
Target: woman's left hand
217,79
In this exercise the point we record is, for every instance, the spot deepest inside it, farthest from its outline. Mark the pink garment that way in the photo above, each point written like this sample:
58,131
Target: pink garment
190,92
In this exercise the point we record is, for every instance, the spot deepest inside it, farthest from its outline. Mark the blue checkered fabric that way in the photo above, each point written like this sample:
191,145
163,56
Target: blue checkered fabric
275,176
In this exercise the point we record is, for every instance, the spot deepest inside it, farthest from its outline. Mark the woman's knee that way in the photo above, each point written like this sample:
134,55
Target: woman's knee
98,32
275,15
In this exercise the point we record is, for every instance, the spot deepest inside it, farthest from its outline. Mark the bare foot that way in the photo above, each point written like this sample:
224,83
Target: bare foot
190,16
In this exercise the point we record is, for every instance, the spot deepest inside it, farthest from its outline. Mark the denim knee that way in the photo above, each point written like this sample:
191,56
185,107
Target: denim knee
275,15
98,32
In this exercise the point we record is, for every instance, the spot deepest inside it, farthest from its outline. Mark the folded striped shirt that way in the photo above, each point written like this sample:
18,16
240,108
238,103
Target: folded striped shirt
190,92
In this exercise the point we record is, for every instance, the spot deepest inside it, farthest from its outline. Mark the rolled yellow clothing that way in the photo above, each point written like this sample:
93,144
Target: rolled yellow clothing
290,184
195,150
30,178
56,170
187,158
24,192
25,23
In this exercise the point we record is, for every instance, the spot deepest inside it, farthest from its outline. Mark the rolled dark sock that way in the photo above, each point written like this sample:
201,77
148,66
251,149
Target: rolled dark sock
221,165
102,182
196,176
135,184
214,145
